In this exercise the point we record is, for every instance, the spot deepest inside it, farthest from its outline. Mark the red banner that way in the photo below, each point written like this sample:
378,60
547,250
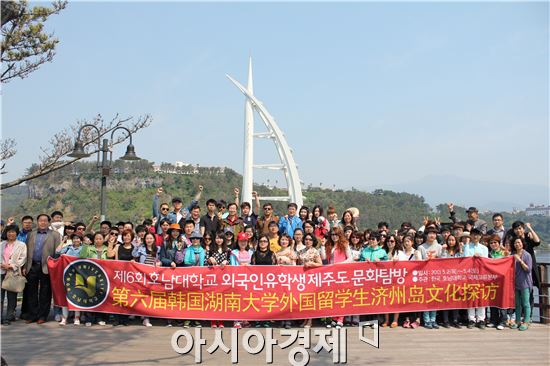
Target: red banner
281,292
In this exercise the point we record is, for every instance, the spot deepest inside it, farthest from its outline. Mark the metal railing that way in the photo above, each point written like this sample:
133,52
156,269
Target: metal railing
543,303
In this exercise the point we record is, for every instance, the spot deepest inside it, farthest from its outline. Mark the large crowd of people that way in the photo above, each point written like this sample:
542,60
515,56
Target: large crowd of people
233,234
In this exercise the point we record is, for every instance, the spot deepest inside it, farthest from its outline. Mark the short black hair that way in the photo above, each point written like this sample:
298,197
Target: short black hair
27,217
382,224
79,224
108,223
189,222
141,228
221,203
129,223
58,213
517,224
43,214
498,214
120,223
245,204
211,200
292,204
12,228
163,221
194,207
147,222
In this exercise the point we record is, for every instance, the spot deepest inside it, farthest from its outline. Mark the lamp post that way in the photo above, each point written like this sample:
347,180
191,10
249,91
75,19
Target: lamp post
106,161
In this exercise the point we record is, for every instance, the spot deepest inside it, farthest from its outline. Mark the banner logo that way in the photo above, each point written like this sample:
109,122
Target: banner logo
86,284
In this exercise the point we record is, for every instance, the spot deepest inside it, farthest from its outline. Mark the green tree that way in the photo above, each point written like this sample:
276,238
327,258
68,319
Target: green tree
25,44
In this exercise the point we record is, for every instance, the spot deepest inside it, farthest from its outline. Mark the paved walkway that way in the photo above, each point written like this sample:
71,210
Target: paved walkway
50,344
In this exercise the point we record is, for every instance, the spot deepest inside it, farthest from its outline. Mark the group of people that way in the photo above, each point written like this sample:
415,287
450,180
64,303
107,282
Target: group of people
235,234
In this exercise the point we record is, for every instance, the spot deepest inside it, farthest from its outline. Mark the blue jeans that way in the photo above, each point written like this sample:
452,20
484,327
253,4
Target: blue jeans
429,317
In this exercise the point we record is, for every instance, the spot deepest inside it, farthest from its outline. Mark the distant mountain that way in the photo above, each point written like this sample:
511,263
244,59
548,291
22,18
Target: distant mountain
494,196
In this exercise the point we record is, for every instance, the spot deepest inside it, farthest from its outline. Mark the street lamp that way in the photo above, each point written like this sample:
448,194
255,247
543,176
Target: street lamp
105,166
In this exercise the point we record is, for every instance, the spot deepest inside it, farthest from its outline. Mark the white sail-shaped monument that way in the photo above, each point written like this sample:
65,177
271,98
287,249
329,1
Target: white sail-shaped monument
287,163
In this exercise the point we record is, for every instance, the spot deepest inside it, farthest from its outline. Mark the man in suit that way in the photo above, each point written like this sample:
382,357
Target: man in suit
41,244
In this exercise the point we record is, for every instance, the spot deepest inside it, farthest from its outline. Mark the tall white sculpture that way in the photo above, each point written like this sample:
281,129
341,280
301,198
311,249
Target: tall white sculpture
287,165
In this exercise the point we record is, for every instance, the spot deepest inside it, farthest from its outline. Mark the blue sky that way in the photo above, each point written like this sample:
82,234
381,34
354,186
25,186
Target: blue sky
368,94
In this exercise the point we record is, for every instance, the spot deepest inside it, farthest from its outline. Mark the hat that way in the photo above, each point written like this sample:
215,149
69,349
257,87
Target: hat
228,230
471,209
174,227
242,236
465,234
475,231
195,235
176,199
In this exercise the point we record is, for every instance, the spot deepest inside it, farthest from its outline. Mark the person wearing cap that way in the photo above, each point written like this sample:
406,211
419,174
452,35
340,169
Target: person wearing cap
473,222
167,249
195,255
179,213
476,316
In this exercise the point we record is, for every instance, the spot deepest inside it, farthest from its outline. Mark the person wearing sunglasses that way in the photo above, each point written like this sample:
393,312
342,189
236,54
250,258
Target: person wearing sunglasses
262,224
161,212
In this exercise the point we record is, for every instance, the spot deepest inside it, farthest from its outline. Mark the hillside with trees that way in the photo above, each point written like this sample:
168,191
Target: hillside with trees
75,191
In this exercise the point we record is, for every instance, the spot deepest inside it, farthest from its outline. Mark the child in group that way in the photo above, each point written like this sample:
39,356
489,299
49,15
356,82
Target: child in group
523,283
218,256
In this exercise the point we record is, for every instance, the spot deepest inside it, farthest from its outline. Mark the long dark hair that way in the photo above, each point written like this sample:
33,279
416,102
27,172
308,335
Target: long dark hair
214,245
153,251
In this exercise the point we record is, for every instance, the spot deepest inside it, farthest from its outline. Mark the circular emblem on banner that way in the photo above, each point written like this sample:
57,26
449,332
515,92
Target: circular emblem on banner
86,284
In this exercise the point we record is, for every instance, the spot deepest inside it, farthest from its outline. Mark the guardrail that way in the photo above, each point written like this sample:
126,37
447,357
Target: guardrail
543,303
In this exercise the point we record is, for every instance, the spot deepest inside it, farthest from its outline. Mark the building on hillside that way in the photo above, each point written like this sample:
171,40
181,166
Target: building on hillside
541,210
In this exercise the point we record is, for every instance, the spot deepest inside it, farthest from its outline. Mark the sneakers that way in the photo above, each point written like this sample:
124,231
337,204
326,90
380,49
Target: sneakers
213,324
491,325
514,326
267,324
523,326
102,323
471,324
456,325
186,323
414,325
446,325
481,325
339,325
237,325
58,318
76,321
197,324
406,324
434,325
63,321
500,326
428,325
220,324
88,324
147,323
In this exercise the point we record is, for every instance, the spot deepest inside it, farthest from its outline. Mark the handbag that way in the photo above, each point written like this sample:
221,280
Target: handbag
14,281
